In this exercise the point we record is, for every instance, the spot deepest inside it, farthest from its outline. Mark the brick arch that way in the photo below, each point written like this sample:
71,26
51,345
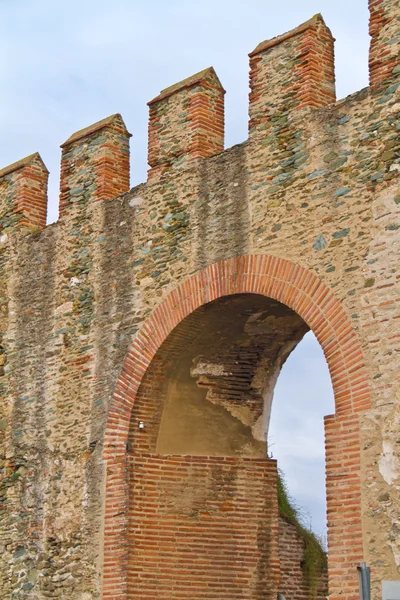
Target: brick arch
311,299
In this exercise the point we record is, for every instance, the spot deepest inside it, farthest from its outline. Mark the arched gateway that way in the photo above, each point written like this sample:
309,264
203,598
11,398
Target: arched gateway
304,293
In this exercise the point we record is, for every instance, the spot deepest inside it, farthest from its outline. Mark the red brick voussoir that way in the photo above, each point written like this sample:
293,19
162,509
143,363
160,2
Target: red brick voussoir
301,290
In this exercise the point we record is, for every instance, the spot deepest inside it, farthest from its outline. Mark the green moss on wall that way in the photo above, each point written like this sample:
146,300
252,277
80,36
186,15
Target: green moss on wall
315,557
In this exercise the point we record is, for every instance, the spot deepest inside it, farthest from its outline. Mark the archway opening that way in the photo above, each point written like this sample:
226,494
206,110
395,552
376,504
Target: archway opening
203,515
303,396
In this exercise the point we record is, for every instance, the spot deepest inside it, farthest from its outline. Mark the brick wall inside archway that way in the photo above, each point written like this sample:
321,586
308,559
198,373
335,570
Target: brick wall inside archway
203,517
309,297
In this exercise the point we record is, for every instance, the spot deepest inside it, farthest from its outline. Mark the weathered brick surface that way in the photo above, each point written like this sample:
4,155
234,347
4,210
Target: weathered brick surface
305,213
203,527
292,556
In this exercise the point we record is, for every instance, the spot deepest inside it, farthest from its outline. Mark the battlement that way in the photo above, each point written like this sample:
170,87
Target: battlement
23,193
288,73
95,163
292,71
384,26
186,121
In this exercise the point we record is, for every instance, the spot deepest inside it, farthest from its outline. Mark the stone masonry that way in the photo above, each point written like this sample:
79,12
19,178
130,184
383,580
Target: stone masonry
142,334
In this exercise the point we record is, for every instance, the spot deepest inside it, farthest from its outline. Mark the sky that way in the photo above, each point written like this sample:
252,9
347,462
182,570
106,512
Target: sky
65,65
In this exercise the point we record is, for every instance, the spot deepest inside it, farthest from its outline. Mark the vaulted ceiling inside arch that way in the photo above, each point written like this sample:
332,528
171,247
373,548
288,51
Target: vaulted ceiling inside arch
215,377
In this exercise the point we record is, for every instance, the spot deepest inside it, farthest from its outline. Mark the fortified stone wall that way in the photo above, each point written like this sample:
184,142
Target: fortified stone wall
304,212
